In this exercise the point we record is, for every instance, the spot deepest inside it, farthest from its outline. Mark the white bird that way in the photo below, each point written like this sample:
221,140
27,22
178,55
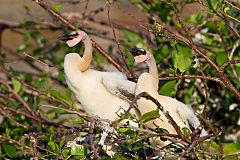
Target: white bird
98,92
182,114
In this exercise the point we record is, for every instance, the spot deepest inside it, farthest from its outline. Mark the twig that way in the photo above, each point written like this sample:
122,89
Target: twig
215,79
85,8
91,140
234,6
36,118
230,56
17,97
7,115
71,111
116,40
223,17
41,62
230,17
19,112
231,62
194,143
231,155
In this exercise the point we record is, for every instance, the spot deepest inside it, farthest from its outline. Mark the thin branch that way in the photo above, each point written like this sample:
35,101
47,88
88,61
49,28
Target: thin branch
230,17
91,140
231,4
116,40
85,8
231,62
230,56
9,116
35,118
215,79
17,97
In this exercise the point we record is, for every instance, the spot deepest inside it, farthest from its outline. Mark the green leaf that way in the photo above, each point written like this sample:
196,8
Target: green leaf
134,38
100,59
231,148
78,26
8,131
77,150
196,19
60,96
10,150
65,152
226,9
150,116
214,4
186,131
221,58
76,121
157,27
23,47
210,5
182,59
52,145
130,60
57,7
68,93
16,85
123,130
212,145
168,89
173,43
61,144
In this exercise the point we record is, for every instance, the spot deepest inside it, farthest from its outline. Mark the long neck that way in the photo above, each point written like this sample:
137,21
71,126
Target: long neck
87,55
153,71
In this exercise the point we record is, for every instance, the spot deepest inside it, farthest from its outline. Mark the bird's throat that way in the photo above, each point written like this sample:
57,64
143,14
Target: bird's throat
87,55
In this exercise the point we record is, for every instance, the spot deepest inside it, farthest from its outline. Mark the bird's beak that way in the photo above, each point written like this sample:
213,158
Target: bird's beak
67,37
137,51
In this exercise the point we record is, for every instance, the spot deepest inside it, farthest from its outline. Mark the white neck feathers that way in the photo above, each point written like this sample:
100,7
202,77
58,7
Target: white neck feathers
153,71
87,55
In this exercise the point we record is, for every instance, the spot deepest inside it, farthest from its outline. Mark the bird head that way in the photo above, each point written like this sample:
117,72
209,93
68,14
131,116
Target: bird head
140,55
73,38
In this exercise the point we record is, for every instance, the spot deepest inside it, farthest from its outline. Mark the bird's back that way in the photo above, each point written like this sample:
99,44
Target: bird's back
96,99
182,114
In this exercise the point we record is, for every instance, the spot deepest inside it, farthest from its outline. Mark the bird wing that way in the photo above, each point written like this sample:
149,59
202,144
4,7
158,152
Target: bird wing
122,88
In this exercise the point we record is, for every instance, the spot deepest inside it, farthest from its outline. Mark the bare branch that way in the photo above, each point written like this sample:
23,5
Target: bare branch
215,79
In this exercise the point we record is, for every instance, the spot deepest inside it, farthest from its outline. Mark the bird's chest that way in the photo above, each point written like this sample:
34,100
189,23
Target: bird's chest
87,85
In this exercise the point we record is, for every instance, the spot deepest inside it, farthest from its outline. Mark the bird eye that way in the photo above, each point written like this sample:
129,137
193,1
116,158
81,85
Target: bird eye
143,51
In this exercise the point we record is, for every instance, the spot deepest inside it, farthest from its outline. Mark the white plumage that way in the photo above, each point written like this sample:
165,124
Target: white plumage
97,91
182,114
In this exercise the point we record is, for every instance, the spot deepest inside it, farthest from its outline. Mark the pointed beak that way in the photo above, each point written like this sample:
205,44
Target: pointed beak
137,51
66,37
